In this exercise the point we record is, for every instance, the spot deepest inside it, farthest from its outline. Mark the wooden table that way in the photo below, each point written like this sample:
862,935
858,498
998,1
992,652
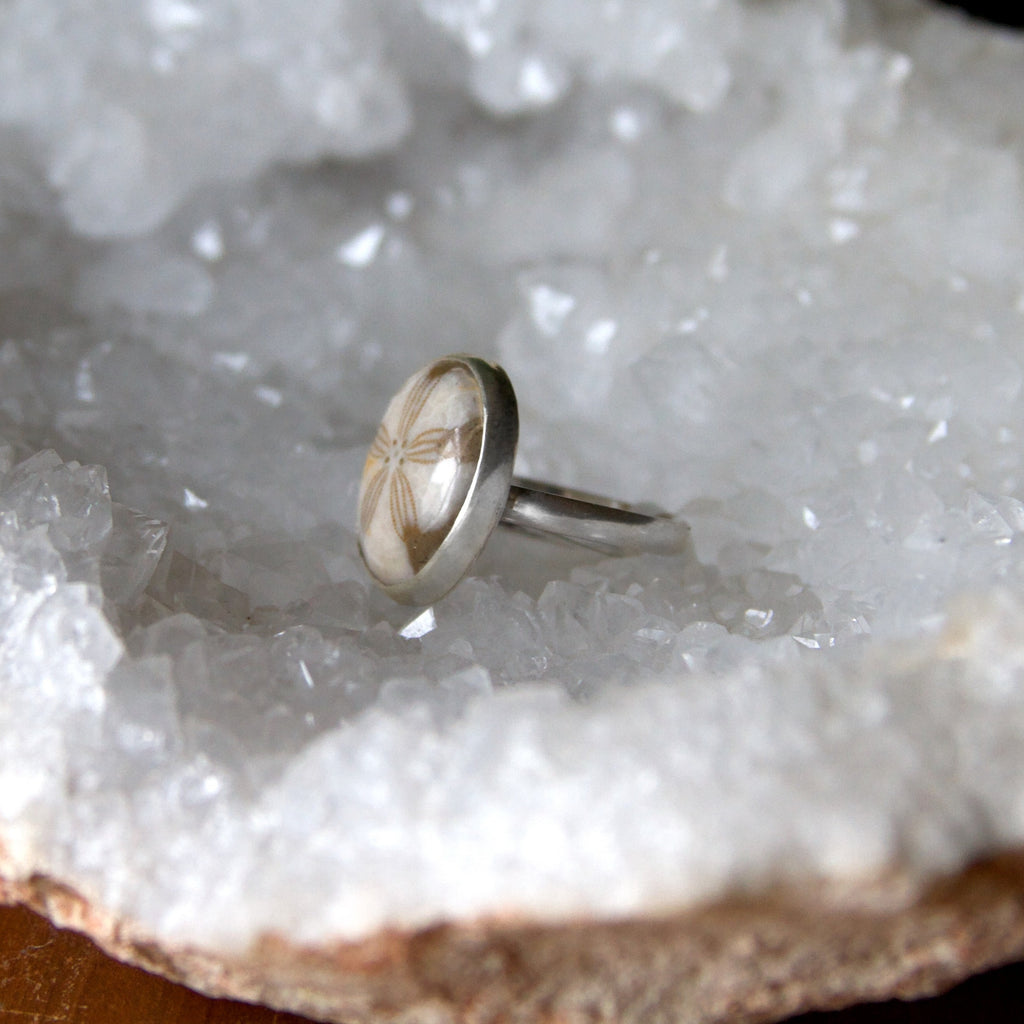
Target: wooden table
51,976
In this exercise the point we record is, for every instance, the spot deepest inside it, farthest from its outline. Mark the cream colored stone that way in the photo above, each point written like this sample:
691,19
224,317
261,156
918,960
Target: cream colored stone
419,470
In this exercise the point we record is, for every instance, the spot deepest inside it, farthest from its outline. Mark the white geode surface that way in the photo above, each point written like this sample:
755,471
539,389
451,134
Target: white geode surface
759,263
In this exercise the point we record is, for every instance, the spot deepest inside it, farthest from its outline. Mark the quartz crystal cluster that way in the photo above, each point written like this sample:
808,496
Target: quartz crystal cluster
757,263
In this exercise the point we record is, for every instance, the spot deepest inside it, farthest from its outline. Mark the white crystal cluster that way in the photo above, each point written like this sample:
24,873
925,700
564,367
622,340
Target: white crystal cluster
761,264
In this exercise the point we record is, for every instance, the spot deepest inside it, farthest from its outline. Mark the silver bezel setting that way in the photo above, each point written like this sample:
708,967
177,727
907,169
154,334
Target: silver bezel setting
488,490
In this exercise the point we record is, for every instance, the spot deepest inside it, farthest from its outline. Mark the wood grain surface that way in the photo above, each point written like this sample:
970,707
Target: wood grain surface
52,976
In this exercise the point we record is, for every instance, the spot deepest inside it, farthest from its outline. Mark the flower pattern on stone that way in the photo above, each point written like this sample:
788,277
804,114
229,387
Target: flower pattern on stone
399,448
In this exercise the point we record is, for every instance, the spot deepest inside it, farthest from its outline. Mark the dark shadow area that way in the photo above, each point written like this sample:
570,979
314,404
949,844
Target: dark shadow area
993,998
999,13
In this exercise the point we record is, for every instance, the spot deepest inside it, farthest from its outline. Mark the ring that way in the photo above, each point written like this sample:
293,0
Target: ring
438,479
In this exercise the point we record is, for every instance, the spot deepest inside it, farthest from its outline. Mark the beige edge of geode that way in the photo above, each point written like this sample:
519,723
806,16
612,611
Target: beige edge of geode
748,958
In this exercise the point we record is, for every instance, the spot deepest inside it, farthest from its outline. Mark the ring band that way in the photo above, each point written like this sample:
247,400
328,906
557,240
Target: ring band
438,479
591,521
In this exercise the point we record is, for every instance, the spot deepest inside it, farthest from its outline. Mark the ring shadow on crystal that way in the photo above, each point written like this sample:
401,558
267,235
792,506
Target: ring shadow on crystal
144,578
527,562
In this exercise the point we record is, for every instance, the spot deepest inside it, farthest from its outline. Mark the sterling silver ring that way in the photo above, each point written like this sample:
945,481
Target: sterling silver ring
438,479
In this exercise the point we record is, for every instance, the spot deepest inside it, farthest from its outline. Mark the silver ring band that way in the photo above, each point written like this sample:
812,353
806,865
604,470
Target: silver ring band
591,521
